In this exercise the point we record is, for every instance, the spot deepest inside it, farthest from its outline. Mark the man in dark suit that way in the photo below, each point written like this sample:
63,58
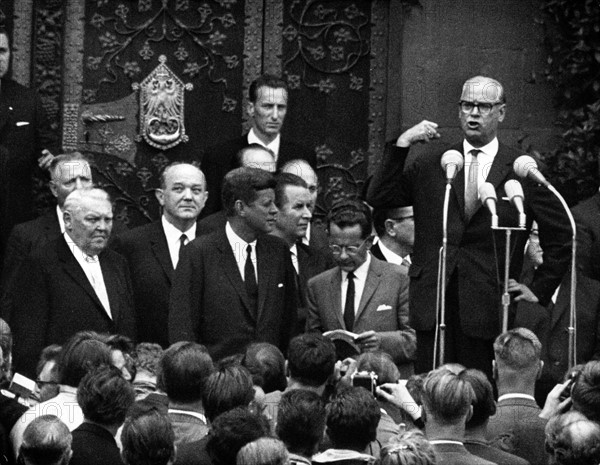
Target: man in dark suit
267,106
72,284
236,285
153,250
395,229
517,425
252,156
67,173
293,200
25,136
362,294
473,290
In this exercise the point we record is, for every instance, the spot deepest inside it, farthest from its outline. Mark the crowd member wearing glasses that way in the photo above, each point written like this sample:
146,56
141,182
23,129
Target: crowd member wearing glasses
361,294
475,254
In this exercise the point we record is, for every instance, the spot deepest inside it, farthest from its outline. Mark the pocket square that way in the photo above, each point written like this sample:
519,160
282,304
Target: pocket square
22,123
383,307
280,285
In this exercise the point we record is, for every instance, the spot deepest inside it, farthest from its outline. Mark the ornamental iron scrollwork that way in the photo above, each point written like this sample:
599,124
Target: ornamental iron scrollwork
161,97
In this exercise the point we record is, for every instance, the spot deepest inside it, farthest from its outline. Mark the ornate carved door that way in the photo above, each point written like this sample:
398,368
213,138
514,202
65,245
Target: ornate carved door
85,57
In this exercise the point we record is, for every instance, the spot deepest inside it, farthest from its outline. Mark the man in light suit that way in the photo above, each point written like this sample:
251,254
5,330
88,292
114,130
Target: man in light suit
395,229
362,294
267,106
67,172
72,284
153,250
475,253
236,285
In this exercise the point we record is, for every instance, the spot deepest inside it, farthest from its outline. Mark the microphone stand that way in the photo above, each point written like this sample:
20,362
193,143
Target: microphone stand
572,350
505,295
441,286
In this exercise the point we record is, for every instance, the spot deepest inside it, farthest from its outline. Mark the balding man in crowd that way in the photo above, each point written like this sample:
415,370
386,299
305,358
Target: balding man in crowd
67,172
236,285
395,229
153,250
46,441
73,284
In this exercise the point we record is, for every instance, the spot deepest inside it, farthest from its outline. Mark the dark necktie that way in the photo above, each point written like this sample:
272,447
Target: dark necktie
182,242
250,279
349,307
471,191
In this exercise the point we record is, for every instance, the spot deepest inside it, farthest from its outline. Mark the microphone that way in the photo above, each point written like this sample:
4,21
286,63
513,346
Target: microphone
515,195
526,166
487,195
452,162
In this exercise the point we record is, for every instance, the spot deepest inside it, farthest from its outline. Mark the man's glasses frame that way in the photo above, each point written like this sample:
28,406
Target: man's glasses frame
350,249
484,109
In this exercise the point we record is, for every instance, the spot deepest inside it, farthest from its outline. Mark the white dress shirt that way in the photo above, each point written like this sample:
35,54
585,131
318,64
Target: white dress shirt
61,221
360,279
173,236
273,146
485,158
238,246
91,267
306,237
294,254
392,257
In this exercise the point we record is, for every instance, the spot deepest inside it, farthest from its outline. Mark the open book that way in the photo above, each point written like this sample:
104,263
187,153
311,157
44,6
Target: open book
345,343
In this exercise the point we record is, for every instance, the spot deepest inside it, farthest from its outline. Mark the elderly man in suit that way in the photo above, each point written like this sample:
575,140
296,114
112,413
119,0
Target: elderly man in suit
67,172
153,250
25,136
74,283
237,284
475,253
293,200
267,107
361,294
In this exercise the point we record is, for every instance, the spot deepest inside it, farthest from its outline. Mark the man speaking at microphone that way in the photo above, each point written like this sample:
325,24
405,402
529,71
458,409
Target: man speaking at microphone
475,253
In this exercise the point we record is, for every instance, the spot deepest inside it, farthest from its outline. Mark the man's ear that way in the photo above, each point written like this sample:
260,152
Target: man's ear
389,227
540,370
502,112
286,369
68,219
469,413
53,188
494,370
250,109
239,207
160,196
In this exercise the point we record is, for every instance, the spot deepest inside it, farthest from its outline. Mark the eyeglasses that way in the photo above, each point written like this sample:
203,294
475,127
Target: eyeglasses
41,383
404,218
484,109
350,249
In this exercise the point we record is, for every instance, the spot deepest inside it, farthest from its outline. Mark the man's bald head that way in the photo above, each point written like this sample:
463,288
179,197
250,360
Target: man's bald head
302,169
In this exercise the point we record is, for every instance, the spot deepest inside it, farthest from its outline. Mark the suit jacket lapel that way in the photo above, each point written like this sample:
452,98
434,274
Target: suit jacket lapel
335,292
231,270
371,285
501,167
160,249
73,269
5,111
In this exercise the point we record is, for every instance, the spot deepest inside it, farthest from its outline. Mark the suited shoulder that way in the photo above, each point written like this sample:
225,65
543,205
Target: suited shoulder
12,91
323,278
588,209
132,237
387,268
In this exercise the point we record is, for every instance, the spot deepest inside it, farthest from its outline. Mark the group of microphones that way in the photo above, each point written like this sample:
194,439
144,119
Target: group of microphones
524,166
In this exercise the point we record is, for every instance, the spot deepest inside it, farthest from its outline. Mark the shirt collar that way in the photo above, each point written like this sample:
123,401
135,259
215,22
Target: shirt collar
173,234
79,254
236,241
515,395
390,256
306,237
362,271
273,146
61,220
490,149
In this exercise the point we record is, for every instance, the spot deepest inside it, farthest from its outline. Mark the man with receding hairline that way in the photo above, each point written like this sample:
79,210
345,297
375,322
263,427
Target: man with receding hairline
74,283
153,250
475,253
